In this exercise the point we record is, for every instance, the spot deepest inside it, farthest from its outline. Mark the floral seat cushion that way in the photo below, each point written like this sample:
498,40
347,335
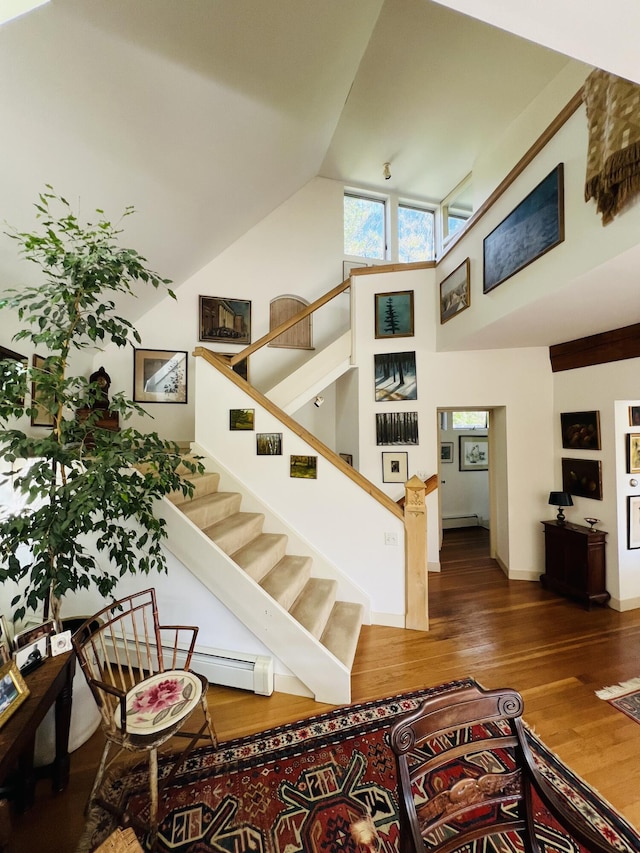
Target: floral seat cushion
161,701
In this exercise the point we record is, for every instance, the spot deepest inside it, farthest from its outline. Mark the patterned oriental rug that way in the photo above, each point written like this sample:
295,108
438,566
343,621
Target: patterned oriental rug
625,697
326,784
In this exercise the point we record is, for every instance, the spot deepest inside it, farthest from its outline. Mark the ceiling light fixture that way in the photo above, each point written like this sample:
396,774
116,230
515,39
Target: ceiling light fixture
386,171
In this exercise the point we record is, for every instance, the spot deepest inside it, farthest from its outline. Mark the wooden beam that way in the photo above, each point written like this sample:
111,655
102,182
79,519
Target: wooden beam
616,345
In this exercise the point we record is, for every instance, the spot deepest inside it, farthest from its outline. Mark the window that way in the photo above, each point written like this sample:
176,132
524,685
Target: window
455,223
416,237
469,420
364,227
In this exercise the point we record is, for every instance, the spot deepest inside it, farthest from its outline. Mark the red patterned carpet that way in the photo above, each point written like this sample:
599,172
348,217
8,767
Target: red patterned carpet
301,788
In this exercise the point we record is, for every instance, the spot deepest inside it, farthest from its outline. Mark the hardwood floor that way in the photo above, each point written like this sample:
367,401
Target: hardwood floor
503,633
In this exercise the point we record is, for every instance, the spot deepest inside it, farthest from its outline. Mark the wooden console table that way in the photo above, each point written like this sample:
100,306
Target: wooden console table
50,683
575,563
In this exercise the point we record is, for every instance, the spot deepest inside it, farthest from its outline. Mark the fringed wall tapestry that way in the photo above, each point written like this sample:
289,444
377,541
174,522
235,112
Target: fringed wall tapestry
613,158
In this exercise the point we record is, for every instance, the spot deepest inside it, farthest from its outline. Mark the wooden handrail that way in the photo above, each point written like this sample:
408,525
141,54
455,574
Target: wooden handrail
550,131
223,365
287,324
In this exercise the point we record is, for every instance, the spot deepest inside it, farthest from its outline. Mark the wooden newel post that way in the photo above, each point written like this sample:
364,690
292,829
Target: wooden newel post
416,584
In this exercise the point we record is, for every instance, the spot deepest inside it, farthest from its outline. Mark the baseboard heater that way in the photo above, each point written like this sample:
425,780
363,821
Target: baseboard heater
472,520
229,669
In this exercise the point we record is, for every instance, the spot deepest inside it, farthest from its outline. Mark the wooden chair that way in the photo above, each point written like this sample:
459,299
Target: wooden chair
138,671
120,841
465,772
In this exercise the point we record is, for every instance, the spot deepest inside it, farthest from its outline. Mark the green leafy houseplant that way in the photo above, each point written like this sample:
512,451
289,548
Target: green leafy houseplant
89,492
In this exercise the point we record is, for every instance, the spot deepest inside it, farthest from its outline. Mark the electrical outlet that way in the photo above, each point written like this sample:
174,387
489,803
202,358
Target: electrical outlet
390,538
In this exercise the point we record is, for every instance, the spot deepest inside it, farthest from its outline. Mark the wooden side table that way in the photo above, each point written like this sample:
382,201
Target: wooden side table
575,563
50,683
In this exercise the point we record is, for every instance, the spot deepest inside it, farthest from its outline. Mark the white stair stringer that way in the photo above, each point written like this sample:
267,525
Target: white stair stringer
326,677
313,376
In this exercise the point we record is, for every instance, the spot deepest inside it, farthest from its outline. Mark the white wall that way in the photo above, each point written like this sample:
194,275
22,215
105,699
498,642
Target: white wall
462,493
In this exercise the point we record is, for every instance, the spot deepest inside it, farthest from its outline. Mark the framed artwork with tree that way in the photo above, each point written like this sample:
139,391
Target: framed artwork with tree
394,314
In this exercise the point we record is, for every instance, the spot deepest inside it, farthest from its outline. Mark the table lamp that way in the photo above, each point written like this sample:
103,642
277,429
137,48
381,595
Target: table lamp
560,499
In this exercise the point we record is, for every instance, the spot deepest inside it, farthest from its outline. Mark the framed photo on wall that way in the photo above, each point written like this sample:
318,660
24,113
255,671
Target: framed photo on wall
397,428
633,453
473,453
159,376
532,228
395,467
580,430
395,376
394,314
455,292
226,321
582,477
446,451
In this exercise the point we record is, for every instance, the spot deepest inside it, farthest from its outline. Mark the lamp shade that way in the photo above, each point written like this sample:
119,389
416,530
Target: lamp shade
560,499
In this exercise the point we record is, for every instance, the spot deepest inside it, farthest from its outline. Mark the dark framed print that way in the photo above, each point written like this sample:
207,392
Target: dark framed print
241,419
241,368
395,376
395,467
455,291
473,453
9,375
347,457
634,415
269,443
397,428
13,690
534,227
159,376
226,321
39,414
580,430
633,522
304,467
394,314
582,477
446,451
633,453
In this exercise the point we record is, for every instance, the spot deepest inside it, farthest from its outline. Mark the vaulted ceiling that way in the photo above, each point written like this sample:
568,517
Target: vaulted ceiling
208,115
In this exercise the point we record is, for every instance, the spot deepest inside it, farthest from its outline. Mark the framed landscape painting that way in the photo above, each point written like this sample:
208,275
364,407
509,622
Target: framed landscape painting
534,227
455,292
226,321
395,376
394,314
397,428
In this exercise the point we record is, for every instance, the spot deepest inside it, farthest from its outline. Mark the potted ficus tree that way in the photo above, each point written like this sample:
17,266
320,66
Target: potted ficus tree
88,492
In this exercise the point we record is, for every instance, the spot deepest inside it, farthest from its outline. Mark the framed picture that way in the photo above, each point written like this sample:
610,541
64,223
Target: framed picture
395,467
269,443
397,428
348,458
394,314
305,467
582,477
534,227
473,453
241,419
634,415
159,376
226,321
37,632
39,417
395,376
446,451
31,656
633,521
580,430
455,291
633,453
241,368
10,355
13,691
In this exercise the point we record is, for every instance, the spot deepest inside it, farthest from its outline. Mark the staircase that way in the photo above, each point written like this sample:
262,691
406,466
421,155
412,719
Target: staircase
311,602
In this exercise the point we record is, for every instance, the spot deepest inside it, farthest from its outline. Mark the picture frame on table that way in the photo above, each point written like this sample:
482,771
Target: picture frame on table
633,522
582,478
31,656
580,430
533,228
33,633
394,314
455,292
473,453
395,467
224,320
13,690
159,376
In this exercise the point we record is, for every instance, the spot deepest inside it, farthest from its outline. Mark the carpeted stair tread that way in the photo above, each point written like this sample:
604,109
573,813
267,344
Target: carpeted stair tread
234,532
212,508
286,580
313,606
204,484
261,554
342,631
